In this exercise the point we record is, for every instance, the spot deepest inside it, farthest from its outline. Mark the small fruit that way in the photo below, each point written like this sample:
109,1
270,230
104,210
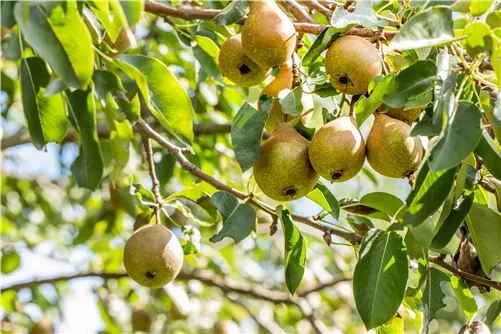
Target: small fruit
120,45
268,35
153,256
337,150
390,150
44,326
408,116
237,67
476,327
142,320
352,62
225,327
283,171
282,81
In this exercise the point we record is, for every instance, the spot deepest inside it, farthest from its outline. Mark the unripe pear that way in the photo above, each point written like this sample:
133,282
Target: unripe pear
337,150
390,150
225,327
268,35
408,116
476,327
282,81
44,326
153,256
352,62
237,67
142,320
283,171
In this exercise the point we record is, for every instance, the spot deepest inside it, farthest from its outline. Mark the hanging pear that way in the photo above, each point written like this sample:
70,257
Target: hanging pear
237,67
390,150
268,35
282,81
337,150
283,171
408,116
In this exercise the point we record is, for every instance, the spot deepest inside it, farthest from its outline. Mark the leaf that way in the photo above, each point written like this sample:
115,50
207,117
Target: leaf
490,155
484,225
383,202
88,166
429,28
291,103
144,195
239,220
380,277
464,296
321,43
208,64
460,138
323,197
106,82
246,132
168,101
45,115
493,19
479,7
209,46
295,251
199,194
362,15
7,13
452,222
411,82
479,38
394,326
422,272
53,38
423,201
325,90
132,10
365,107
492,312
433,296
232,13
110,17
10,262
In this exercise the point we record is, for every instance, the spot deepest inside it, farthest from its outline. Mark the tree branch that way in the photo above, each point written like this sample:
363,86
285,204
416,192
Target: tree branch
314,5
155,187
295,9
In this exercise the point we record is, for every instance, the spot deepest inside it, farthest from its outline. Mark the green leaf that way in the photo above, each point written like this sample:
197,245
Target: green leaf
110,16
459,139
429,28
53,38
323,197
424,200
394,326
144,195
362,15
291,103
233,12
422,272
7,13
325,90
45,115
199,194
490,155
383,202
322,43
380,277
239,220
168,101
190,240
410,83
365,106
106,82
246,132
433,296
209,46
10,262
208,64
295,251
132,10
479,38
492,312
357,208
484,225
464,296
479,7
415,249
493,19
452,222
88,166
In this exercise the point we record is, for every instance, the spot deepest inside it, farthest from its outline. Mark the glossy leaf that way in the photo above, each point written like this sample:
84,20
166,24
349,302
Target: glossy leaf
323,197
232,13
490,155
362,15
433,296
322,43
291,103
384,202
144,195
10,262
199,194
464,296
479,38
365,106
133,9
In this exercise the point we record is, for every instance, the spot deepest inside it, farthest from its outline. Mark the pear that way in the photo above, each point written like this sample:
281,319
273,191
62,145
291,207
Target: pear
283,171
268,35
142,320
44,326
390,150
337,150
352,62
476,327
120,45
282,81
225,327
408,116
153,256
237,67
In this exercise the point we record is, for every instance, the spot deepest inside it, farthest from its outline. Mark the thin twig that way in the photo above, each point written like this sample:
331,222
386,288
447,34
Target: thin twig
297,11
155,187
314,5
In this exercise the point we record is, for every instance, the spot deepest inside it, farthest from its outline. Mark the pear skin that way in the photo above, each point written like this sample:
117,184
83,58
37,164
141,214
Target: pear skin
390,150
282,81
153,256
141,320
283,171
352,62
237,67
408,116
268,35
337,150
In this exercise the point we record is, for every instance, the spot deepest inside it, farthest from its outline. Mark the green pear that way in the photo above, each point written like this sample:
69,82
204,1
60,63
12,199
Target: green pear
142,320
268,35
475,327
237,67
390,150
283,171
337,150
408,116
352,62
153,256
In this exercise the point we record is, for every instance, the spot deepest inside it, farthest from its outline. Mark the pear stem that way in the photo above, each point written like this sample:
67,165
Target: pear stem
155,188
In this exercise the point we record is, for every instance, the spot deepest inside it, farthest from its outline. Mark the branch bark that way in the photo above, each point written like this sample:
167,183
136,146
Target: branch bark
155,187
295,9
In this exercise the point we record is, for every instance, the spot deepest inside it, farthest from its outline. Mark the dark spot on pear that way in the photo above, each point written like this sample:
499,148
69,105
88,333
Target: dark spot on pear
244,69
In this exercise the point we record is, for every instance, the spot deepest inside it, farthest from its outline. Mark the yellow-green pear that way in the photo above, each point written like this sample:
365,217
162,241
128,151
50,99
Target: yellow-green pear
337,150
282,81
153,256
352,62
237,67
283,171
390,149
408,116
141,320
476,327
268,35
